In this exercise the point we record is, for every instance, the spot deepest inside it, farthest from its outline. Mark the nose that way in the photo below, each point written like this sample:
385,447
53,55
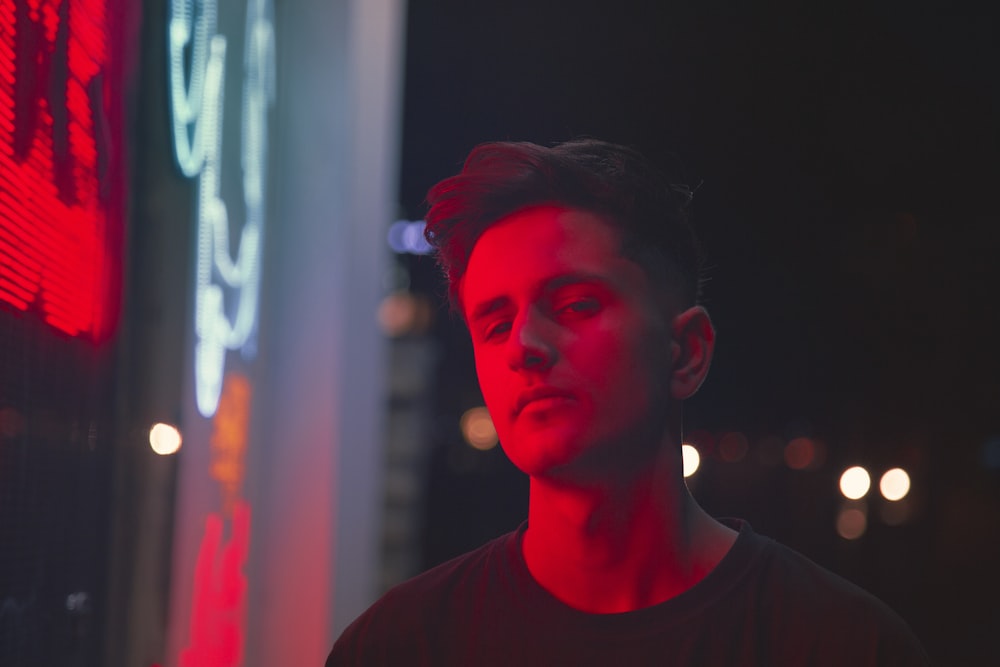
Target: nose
529,346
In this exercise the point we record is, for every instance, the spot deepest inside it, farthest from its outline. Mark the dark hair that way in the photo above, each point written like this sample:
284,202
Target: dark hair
613,181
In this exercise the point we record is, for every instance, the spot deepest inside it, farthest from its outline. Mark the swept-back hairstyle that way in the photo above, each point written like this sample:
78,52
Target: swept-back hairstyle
612,181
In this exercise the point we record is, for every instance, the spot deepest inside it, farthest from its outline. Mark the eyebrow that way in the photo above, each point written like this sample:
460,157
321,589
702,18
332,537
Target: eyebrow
487,307
576,279
550,285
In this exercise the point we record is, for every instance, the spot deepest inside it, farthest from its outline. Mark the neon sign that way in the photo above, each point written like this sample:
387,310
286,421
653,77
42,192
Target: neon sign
216,635
226,289
60,236
220,591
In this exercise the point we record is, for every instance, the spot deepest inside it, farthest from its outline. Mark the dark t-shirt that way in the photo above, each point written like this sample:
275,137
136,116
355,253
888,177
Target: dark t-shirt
763,604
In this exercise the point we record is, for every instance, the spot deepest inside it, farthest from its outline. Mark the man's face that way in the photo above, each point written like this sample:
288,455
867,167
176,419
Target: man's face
571,347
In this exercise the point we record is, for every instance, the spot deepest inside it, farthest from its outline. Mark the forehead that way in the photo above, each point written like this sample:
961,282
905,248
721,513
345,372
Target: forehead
535,246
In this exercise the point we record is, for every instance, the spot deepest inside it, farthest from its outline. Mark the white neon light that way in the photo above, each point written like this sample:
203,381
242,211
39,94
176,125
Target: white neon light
227,290
192,24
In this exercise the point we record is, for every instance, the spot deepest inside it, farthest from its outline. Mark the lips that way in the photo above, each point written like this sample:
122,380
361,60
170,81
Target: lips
537,394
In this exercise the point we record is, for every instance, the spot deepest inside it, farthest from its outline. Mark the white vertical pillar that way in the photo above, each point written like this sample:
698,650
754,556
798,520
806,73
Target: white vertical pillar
315,554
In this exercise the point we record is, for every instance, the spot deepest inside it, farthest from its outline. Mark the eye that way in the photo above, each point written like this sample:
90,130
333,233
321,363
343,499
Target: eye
577,307
496,329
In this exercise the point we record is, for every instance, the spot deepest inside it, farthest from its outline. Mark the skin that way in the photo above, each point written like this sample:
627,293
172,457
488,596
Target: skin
583,370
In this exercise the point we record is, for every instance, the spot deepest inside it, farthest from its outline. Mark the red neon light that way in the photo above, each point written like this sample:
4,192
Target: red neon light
220,585
219,593
60,236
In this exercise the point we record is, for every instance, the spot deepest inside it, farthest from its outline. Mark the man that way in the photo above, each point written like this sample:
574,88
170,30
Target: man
577,274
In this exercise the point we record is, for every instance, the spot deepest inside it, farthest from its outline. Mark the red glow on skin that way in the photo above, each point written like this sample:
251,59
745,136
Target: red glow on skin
219,593
60,234
583,364
569,345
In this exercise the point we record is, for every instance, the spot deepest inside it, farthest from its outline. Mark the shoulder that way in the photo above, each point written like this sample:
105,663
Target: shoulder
805,599
403,622
793,577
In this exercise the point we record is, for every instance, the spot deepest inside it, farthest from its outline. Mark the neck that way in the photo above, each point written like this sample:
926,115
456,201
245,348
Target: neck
621,546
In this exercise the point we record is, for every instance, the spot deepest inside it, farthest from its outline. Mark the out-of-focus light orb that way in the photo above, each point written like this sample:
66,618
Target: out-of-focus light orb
478,430
800,453
855,482
403,314
164,439
407,236
733,447
851,523
691,459
895,484
397,314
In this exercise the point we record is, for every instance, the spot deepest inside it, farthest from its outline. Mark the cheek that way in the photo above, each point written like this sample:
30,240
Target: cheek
491,385
630,372
604,356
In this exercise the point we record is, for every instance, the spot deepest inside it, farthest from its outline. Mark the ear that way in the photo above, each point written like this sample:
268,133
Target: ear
690,351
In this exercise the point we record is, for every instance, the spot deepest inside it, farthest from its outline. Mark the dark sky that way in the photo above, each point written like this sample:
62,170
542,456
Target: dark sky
848,161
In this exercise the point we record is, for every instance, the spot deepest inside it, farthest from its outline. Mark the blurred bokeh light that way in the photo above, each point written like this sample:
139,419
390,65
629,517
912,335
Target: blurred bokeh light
691,459
403,313
164,439
733,447
477,428
895,484
851,523
855,483
800,453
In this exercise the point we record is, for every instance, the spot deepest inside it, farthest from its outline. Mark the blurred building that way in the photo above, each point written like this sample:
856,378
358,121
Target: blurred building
194,198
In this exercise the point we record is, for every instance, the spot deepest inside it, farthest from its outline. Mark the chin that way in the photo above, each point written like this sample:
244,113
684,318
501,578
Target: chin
551,457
